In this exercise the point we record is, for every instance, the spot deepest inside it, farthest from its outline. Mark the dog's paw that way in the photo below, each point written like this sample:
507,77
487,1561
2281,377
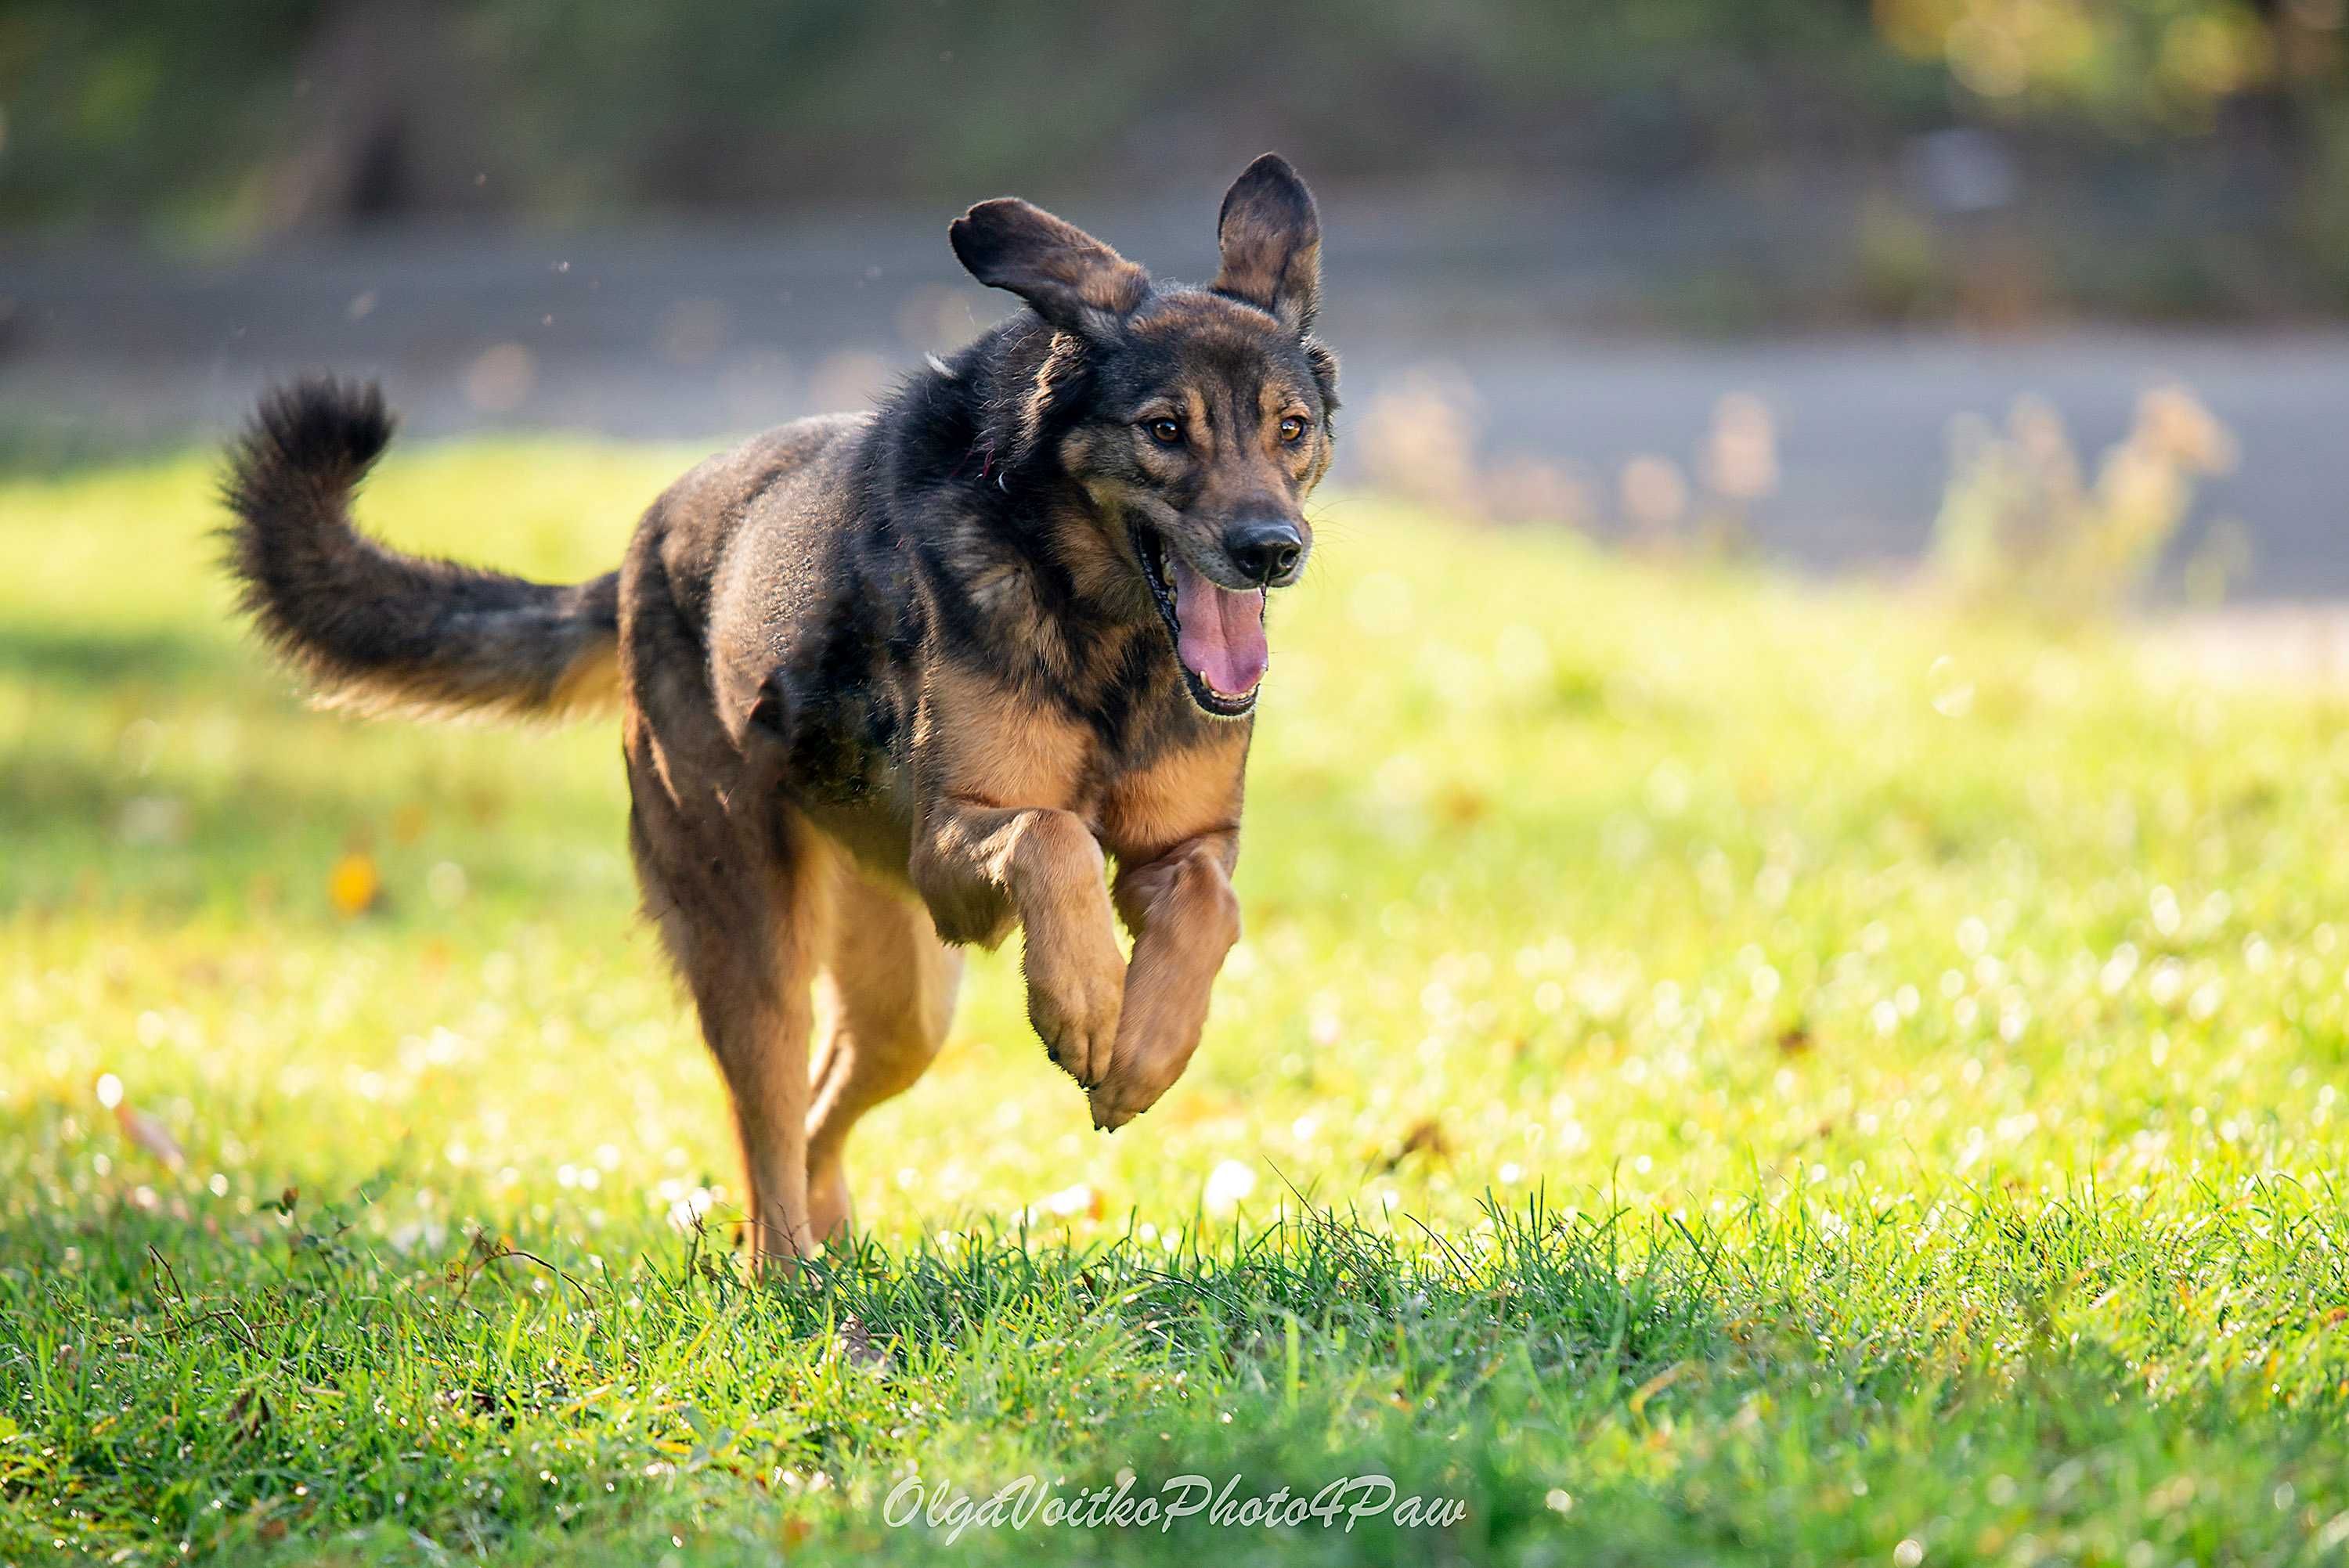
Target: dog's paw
1156,1038
1076,989
1127,1091
1079,1033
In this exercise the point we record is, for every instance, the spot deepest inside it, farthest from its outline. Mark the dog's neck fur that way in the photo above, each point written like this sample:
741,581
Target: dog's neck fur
983,424
1026,570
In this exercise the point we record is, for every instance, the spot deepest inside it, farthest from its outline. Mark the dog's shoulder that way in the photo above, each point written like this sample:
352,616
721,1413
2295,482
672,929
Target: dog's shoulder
714,513
701,512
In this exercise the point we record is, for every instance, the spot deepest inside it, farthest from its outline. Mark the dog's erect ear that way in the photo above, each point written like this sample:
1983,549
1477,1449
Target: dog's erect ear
1271,241
1075,281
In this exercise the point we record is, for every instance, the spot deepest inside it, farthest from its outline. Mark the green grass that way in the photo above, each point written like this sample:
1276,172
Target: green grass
1730,1071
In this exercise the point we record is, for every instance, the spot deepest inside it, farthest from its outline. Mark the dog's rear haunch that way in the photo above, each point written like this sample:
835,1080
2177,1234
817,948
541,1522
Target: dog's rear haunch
890,684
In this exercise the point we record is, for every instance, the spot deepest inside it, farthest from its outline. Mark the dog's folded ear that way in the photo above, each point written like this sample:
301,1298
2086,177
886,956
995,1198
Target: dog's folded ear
1270,237
1072,280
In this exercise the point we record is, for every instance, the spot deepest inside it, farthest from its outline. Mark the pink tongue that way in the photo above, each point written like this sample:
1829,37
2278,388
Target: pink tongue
1222,632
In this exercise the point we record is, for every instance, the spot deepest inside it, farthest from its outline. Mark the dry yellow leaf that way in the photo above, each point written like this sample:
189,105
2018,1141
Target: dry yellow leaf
354,884
150,1135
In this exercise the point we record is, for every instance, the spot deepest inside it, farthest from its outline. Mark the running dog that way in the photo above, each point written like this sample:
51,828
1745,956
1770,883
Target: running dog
890,684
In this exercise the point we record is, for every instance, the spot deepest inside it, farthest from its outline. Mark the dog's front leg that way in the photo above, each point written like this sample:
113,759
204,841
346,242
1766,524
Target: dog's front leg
1186,918
980,867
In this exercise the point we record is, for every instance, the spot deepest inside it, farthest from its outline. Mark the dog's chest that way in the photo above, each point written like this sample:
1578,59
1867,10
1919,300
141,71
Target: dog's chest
978,742
1140,801
1184,792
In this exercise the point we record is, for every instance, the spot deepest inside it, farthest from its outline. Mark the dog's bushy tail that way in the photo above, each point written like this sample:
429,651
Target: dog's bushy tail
379,630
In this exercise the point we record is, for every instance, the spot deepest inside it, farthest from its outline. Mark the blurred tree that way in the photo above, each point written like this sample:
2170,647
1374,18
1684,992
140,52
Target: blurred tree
248,114
2133,63
237,118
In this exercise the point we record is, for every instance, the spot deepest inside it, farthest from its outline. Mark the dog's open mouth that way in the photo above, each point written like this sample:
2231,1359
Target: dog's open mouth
1218,631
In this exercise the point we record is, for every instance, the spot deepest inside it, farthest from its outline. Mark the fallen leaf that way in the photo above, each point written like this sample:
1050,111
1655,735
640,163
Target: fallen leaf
248,1413
354,884
1657,1385
853,1340
150,1135
1462,806
1427,1138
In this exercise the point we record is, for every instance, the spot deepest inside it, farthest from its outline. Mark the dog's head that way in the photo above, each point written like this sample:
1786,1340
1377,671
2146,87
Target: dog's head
1205,414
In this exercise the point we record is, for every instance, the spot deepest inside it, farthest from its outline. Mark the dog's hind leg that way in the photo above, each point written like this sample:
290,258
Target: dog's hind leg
883,1000
743,902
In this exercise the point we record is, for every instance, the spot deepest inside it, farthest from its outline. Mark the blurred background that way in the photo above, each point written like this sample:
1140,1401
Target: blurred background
2048,293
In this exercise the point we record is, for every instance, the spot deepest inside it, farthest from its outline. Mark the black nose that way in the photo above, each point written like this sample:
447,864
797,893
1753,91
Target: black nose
1266,551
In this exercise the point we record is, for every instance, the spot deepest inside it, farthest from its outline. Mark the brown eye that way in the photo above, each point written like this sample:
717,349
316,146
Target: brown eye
1165,432
1292,429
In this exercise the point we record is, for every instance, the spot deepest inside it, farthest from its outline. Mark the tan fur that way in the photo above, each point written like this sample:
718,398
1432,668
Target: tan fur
1185,795
980,865
1186,918
1175,828
985,746
883,1003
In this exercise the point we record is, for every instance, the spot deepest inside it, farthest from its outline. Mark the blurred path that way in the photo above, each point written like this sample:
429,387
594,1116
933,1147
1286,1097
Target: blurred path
2275,646
696,335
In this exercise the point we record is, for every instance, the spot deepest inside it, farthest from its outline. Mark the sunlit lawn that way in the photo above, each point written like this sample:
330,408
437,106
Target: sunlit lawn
1718,1070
